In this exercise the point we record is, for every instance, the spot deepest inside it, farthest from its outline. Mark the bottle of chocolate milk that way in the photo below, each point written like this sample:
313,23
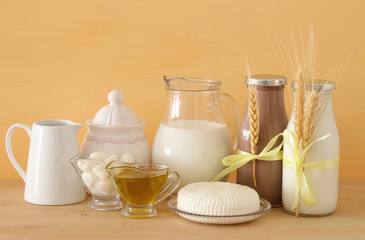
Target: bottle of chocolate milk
272,120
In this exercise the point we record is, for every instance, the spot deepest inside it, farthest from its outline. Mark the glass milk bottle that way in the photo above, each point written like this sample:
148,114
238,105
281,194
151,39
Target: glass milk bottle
193,137
272,121
322,182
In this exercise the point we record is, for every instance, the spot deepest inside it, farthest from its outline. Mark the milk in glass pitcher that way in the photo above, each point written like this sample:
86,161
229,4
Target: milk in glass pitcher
193,137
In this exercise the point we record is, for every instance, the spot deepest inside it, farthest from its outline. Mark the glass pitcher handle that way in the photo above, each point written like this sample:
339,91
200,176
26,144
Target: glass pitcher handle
172,182
234,118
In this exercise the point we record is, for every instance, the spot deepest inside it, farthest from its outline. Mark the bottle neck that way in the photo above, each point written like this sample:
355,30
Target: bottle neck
270,101
328,108
324,112
271,116
325,100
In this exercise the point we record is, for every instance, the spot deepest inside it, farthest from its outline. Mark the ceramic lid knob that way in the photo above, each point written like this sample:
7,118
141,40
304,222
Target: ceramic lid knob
115,97
116,113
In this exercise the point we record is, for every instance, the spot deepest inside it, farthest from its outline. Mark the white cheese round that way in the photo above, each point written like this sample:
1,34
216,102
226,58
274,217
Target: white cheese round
218,199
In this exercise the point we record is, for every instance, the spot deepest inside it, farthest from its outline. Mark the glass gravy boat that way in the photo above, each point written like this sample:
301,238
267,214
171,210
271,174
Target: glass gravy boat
143,185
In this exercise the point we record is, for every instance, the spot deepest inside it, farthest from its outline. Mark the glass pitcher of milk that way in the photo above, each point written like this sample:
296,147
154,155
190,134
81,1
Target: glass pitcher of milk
193,136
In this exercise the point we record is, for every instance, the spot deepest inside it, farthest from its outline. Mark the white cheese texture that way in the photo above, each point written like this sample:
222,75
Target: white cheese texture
218,199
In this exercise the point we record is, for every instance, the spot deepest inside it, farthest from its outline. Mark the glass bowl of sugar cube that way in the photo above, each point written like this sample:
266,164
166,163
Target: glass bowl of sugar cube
91,170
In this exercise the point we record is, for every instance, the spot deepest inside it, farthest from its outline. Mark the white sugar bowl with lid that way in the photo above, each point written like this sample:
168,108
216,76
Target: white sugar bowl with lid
116,129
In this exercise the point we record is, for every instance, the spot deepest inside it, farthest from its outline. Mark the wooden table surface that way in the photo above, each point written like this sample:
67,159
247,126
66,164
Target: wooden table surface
21,220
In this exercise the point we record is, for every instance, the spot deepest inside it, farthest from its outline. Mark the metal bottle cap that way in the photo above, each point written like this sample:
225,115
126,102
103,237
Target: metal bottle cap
268,80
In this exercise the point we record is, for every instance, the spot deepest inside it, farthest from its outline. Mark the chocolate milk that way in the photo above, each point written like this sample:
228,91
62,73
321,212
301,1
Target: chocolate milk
272,121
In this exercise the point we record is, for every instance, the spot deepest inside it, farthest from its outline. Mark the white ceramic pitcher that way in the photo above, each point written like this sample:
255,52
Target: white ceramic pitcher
50,178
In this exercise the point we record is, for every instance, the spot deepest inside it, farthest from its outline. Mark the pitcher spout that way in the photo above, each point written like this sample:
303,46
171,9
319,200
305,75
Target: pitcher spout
191,84
77,126
57,123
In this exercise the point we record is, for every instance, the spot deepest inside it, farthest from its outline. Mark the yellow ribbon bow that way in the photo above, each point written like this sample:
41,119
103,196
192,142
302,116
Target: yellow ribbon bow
236,161
297,160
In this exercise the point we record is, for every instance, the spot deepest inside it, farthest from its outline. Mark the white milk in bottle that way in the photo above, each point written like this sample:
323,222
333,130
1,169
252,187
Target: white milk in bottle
323,183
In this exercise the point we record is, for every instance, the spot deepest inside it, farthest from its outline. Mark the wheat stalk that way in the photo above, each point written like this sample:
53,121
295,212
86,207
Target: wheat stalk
299,99
254,126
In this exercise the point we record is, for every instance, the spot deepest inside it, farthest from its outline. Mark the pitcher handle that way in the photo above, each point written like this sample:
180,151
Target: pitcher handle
9,148
234,120
172,182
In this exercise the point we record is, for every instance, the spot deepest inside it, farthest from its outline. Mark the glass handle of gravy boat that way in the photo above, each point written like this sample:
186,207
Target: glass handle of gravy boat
234,116
172,182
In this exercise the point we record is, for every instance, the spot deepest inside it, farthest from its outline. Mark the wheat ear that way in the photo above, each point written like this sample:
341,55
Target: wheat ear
310,117
254,127
299,106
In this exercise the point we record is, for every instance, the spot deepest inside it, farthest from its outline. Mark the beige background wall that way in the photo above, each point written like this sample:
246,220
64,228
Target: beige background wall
59,59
